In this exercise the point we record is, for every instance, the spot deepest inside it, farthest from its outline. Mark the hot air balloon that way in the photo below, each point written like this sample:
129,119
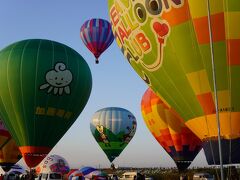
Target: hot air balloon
53,163
97,36
17,169
9,155
9,152
168,44
75,173
5,136
86,173
16,172
90,172
169,130
113,128
44,87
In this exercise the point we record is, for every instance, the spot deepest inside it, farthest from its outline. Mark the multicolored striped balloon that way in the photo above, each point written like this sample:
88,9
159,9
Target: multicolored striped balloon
90,172
168,45
113,128
86,173
75,174
97,36
169,130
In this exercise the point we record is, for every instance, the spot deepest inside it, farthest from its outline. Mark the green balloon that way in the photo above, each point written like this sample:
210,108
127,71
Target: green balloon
113,128
44,87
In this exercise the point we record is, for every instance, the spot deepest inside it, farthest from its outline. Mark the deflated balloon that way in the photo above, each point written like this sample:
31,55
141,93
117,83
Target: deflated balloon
168,45
113,128
44,87
53,163
90,172
75,173
169,130
97,36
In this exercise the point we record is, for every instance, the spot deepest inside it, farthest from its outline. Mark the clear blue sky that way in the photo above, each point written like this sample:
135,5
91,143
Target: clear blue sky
114,81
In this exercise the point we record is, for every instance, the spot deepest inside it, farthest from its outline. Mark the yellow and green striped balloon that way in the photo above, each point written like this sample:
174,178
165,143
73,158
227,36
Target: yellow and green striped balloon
168,45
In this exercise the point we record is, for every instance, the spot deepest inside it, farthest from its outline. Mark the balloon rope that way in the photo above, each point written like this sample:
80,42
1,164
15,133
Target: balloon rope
225,6
215,88
192,34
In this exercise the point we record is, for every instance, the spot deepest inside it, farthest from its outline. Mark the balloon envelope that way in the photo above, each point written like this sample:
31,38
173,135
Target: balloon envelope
9,155
113,128
4,134
168,45
90,172
97,36
44,87
75,174
53,163
169,130
17,169
9,152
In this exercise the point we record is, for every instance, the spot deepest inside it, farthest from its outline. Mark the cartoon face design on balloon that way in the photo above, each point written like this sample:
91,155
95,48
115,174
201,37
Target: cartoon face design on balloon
139,30
58,80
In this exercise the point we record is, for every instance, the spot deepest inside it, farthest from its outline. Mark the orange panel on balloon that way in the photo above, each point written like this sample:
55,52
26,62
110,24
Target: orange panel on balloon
147,107
207,103
177,15
233,49
218,28
177,141
155,100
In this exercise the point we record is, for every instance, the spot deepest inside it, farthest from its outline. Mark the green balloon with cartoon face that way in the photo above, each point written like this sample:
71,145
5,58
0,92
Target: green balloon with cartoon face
44,87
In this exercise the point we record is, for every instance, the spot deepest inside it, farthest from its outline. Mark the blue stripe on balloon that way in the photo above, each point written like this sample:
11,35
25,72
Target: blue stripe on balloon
87,170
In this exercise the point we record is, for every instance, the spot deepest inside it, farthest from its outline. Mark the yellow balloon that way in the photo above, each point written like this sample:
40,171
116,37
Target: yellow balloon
169,130
167,43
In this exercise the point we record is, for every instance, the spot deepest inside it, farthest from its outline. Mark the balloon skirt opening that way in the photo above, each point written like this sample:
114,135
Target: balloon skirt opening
33,155
182,165
230,151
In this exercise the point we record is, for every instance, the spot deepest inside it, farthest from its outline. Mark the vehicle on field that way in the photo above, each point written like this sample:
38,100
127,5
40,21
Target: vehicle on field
132,176
49,176
203,176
